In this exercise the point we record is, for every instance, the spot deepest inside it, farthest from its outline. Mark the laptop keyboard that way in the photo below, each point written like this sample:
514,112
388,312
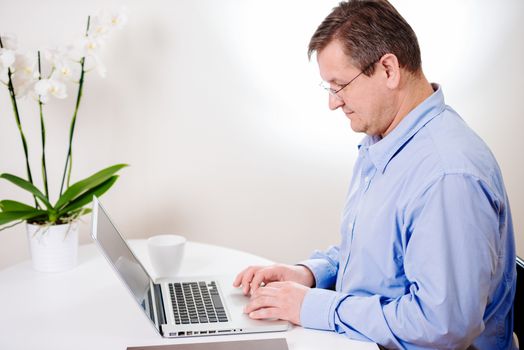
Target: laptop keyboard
197,302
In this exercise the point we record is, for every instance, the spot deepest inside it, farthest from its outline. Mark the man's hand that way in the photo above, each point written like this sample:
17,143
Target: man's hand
251,278
282,300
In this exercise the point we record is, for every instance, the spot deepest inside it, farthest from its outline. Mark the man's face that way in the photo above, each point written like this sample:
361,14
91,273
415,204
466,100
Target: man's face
366,101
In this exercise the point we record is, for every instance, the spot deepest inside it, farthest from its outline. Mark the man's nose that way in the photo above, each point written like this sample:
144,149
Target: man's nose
335,102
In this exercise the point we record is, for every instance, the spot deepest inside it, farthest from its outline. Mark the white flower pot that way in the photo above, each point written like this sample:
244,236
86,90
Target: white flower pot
53,248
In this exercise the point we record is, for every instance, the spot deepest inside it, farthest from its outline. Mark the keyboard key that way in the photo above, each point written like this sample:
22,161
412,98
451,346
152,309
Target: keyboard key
196,302
216,301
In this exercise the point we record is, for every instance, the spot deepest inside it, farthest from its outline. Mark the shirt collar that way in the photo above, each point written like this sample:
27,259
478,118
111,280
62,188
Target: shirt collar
381,151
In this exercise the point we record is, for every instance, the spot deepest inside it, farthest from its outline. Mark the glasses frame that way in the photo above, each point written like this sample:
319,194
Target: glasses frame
334,92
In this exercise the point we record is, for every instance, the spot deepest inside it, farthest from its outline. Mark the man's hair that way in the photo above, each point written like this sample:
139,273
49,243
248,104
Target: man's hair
368,30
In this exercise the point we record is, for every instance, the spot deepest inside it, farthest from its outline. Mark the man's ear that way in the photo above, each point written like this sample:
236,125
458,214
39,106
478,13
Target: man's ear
391,68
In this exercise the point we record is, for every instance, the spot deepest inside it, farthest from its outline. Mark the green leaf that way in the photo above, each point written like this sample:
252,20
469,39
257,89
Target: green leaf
84,211
80,187
7,217
87,197
9,205
26,185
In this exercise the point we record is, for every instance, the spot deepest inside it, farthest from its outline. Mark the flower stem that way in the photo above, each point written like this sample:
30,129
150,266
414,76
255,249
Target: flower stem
69,158
42,128
19,124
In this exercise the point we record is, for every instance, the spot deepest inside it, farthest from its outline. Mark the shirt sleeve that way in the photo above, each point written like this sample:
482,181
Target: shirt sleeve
450,255
324,266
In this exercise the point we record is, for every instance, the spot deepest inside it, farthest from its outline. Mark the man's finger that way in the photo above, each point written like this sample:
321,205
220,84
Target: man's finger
238,278
259,303
267,290
262,276
269,312
276,284
247,278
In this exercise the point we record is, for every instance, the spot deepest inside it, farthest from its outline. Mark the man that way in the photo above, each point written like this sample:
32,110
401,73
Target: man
427,256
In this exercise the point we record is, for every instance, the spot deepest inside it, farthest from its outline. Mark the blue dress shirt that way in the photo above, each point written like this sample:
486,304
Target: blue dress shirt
427,257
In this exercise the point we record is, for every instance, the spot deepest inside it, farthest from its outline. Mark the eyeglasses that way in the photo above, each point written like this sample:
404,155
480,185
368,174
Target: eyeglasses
334,92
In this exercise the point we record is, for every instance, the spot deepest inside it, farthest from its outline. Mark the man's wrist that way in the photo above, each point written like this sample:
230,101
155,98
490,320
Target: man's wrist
308,276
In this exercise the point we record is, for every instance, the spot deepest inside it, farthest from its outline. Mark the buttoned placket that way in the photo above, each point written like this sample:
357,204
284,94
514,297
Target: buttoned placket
355,199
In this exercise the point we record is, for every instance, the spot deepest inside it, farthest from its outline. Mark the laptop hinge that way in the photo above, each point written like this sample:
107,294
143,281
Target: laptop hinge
159,305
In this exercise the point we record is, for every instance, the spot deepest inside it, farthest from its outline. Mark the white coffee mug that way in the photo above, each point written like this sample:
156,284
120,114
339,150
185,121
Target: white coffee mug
166,253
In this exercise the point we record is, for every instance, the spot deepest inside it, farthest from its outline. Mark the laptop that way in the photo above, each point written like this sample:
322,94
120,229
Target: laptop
177,307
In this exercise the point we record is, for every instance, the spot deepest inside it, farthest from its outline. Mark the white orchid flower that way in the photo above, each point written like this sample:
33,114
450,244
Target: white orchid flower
90,49
57,55
45,87
105,22
9,41
64,62
24,64
94,62
72,52
22,85
7,59
66,71
24,74
98,28
89,46
117,20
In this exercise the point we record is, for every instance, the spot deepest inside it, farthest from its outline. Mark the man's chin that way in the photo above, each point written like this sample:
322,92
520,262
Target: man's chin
355,126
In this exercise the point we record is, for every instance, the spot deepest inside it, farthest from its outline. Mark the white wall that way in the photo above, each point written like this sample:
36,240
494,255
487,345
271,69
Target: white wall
216,108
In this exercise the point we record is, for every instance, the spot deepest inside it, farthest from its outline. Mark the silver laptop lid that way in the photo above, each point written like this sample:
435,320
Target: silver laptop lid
123,261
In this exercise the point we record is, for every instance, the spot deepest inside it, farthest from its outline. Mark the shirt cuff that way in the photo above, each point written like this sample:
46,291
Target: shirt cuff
325,274
318,309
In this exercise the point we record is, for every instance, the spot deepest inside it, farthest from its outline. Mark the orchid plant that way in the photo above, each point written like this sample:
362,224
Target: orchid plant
23,76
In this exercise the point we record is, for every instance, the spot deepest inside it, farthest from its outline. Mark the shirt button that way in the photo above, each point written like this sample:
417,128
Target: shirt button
366,179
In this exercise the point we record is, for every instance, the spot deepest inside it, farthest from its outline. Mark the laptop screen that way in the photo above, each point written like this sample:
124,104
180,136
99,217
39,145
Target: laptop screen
120,256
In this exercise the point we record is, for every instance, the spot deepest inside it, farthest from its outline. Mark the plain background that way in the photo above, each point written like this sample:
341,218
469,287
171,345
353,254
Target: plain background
216,108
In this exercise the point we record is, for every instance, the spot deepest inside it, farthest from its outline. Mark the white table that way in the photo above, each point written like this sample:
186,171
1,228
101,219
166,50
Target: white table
89,308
